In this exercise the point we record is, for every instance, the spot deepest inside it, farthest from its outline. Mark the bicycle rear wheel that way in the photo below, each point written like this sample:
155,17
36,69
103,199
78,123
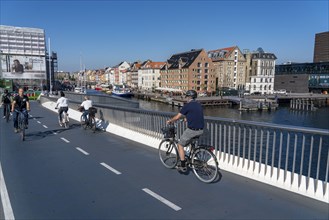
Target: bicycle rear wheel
66,121
83,123
204,165
93,124
168,153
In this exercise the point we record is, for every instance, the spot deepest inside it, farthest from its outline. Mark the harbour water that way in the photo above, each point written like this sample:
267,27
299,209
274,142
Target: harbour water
283,115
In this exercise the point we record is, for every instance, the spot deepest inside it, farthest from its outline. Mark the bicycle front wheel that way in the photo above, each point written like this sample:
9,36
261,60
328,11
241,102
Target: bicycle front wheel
22,130
204,165
168,153
7,114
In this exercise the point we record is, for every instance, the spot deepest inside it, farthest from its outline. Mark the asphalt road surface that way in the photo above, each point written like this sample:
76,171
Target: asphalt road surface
73,173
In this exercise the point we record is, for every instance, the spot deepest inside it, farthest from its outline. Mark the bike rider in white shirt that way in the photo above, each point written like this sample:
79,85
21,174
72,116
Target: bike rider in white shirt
86,105
63,105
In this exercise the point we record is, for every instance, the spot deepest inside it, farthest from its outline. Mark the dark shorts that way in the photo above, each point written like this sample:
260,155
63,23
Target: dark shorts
188,135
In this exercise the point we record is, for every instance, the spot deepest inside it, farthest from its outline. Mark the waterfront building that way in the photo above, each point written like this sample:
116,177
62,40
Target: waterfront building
149,75
188,70
230,66
120,73
321,47
260,72
302,77
23,56
132,74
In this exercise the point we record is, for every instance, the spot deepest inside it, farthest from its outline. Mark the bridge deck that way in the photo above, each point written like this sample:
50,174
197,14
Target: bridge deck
75,174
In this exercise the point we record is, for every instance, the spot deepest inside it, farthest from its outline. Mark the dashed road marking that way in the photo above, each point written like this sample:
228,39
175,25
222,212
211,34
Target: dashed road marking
34,119
82,151
161,199
67,141
54,133
44,126
39,122
110,168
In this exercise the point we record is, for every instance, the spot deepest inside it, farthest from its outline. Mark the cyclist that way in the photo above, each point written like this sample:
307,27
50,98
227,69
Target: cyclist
193,112
86,105
20,103
62,103
6,101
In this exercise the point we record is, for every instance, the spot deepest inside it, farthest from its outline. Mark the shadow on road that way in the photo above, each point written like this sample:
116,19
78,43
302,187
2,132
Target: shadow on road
37,135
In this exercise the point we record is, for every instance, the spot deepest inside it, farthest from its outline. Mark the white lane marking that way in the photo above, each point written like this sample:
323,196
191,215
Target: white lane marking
67,141
54,133
163,200
34,119
7,209
82,151
31,115
39,122
44,126
110,168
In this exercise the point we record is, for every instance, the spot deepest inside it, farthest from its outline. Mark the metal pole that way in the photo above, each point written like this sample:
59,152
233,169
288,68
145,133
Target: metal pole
49,57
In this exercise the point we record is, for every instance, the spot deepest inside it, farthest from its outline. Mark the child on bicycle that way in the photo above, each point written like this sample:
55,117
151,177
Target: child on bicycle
193,112
63,105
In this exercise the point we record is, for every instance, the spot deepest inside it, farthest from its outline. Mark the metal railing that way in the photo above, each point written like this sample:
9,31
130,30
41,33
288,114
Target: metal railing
296,157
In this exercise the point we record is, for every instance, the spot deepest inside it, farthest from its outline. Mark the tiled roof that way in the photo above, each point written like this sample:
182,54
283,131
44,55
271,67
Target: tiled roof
154,65
220,54
185,59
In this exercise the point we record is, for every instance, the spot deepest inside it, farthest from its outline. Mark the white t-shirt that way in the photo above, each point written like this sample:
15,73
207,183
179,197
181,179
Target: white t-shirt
62,102
87,104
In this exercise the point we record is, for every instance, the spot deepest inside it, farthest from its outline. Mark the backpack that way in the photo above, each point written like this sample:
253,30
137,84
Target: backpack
6,99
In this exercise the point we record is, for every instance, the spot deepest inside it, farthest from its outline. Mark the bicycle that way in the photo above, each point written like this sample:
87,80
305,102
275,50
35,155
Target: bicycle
22,124
199,158
91,122
65,119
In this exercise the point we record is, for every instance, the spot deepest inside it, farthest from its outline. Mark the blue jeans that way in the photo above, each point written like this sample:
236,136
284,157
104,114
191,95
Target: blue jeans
16,115
84,115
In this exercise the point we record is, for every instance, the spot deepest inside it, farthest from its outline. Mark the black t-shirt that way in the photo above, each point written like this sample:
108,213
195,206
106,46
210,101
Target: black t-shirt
21,102
194,114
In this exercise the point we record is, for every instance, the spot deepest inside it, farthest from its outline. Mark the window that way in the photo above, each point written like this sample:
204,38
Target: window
206,65
206,71
199,64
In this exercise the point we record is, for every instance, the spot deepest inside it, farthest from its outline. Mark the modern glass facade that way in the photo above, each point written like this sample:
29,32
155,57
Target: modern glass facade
289,76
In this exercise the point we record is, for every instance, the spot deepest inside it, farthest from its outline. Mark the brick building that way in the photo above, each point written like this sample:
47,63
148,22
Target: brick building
189,70
321,47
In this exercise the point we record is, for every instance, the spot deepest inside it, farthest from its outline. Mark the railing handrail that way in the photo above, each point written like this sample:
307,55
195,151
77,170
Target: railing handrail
310,130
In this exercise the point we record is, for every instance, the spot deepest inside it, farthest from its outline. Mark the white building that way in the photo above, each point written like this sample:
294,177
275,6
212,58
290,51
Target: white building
149,75
261,72
23,55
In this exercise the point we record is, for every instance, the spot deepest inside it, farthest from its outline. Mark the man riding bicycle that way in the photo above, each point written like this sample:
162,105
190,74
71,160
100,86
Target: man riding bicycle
6,101
86,105
193,112
20,104
63,105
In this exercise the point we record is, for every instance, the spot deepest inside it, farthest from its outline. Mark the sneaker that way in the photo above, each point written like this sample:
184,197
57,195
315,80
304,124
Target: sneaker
16,130
4,117
182,169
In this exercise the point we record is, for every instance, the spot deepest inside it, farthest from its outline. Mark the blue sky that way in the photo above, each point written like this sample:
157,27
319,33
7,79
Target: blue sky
107,32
